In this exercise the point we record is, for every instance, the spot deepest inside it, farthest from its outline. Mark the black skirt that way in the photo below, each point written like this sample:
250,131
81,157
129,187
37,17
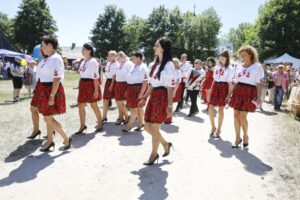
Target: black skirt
17,82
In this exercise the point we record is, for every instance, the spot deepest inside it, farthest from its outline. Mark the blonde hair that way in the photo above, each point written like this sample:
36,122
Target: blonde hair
251,51
122,54
112,52
176,62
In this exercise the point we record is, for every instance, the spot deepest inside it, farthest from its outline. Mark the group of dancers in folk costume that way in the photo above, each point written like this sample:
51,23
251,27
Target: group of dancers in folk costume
131,82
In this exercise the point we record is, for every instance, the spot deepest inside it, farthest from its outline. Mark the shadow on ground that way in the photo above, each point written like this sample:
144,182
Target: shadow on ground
251,163
29,169
153,181
23,150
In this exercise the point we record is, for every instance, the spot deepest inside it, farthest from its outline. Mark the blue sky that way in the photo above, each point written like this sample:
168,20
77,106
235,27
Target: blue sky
76,18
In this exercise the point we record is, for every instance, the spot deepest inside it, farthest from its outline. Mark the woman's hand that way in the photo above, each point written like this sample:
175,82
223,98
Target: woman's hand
51,100
142,102
110,89
95,95
169,111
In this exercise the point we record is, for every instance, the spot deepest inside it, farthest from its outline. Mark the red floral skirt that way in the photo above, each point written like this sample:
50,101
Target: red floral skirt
218,94
59,106
242,97
86,91
206,86
157,105
132,94
178,93
119,91
107,94
35,101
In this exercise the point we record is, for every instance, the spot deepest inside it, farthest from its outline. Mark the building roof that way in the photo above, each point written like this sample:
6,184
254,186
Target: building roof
70,53
6,44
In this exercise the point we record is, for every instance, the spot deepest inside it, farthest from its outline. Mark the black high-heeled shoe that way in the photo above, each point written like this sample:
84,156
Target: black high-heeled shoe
38,133
126,130
169,147
69,145
245,145
99,129
48,148
119,122
81,131
139,128
45,137
153,161
237,145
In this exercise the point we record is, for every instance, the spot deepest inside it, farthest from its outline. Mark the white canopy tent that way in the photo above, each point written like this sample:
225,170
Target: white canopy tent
285,58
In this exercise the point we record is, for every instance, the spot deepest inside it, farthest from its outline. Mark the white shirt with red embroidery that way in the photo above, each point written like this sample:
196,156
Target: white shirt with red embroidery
38,69
110,69
178,76
123,70
138,74
89,69
51,67
186,69
167,76
249,75
222,74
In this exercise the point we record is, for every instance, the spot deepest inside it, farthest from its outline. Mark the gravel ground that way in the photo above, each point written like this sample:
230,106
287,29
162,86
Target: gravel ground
108,165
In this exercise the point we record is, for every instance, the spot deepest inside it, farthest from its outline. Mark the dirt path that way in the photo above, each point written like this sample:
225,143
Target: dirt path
109,165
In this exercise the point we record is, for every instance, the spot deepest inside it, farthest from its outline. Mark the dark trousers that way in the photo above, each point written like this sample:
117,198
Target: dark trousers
278,97
180,103
193,95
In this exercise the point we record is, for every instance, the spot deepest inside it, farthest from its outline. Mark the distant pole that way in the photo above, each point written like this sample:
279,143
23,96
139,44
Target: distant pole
194,9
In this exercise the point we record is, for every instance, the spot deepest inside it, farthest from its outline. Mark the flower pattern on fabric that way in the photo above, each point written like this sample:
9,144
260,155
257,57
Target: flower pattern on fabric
59,106
157,105
86,92
119,91
242,97
219,92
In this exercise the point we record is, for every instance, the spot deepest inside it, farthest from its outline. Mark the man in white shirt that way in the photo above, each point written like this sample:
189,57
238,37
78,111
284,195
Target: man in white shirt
185,71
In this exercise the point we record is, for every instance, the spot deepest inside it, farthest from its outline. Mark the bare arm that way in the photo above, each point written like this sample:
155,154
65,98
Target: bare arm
55,85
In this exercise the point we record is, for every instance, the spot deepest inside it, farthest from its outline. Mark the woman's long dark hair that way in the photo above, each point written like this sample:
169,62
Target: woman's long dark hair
225,54
166,44
89,46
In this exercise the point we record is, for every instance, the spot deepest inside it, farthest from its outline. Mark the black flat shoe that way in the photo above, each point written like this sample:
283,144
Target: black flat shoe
48,148
45,137
139,128
81,131
69,145
33,136
104,120
237,145
169,147
153,161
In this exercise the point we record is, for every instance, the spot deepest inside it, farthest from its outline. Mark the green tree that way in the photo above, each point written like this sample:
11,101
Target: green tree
245,33
201,33
278,28
7,26
155,27
175,31
133,30
108,32
33,21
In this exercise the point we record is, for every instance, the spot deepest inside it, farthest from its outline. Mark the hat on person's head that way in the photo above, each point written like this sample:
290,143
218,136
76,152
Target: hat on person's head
280,66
